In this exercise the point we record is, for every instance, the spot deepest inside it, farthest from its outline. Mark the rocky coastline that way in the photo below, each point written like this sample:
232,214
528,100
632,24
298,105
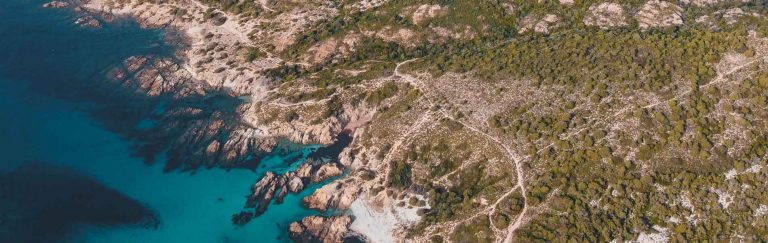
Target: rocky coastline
435,153
320,229
205,123
201,126
274,186
214,126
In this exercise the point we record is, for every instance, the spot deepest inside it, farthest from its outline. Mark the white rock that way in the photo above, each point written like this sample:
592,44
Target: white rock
659,14
606,15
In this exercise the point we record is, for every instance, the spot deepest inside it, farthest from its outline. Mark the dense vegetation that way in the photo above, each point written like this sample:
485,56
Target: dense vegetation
399,174
681,139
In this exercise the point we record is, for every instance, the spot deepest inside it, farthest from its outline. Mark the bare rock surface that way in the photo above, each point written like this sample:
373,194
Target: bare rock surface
654,14
441,34
403,36
701,2
729,16
320,229
332,48
213,43
338,195
323,133
606,15
539,24
426,12
197,132
325,172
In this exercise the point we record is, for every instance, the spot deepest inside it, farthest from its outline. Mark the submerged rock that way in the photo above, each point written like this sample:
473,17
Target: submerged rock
320,229
242,218
88,21
56,4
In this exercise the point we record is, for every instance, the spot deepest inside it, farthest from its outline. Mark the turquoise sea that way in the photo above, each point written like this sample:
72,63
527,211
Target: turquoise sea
47,65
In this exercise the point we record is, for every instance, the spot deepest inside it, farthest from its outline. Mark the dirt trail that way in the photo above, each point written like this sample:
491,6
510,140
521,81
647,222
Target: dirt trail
516,159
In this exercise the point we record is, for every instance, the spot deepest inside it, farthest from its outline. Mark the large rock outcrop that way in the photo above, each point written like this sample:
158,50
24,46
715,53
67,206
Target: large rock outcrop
274,186
539,24
422,13
323,133
338,195
729,16
155,76
656,14
606,15
200,127
320,229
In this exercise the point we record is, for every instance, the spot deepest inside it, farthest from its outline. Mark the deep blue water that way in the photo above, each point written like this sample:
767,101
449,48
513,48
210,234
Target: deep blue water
46,116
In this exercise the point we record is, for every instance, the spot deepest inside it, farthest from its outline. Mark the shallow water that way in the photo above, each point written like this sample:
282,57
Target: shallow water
46,116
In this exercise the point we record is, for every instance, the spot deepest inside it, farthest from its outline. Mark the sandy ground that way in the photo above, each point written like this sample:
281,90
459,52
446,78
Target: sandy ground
381,224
